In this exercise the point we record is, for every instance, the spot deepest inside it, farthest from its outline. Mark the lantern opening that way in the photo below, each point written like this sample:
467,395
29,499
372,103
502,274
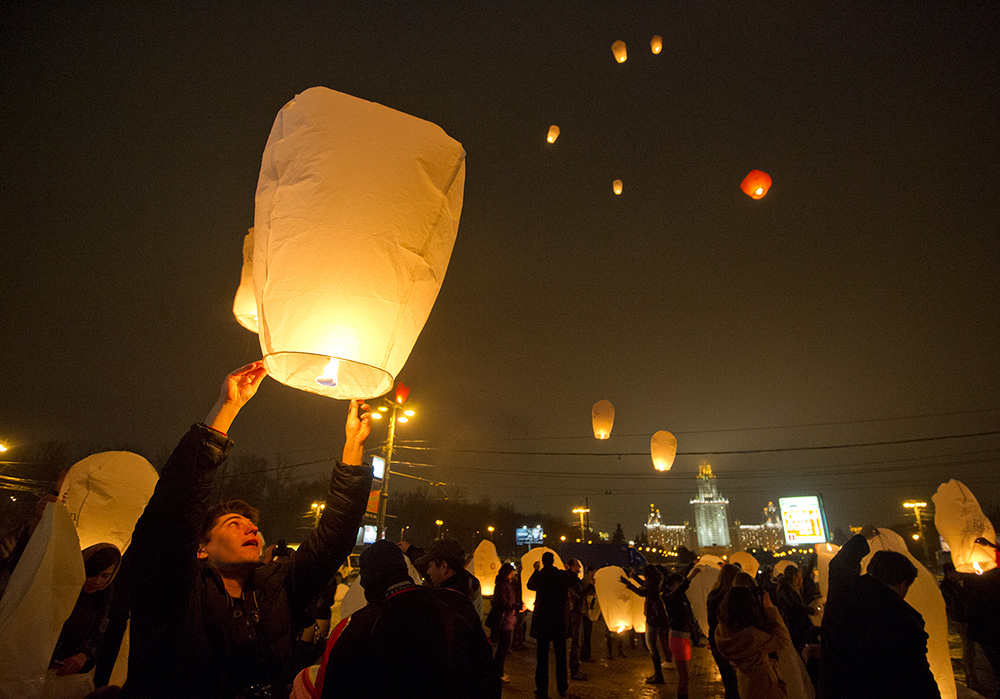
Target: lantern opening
353,379
329,375
978,568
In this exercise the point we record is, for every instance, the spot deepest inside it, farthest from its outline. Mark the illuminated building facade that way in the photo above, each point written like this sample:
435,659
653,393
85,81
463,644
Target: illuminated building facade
666,536
711,512
769,536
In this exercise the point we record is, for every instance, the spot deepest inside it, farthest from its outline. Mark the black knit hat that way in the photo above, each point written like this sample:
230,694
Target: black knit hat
382,565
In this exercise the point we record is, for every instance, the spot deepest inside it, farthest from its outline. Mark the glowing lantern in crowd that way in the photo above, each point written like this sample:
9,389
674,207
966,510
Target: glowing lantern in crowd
245,303
618,48
603,418
553,134
357,210
528,561
617,186
746,562
485,564
824,554
756,184
656,44
614,598
697,593
960,521
710,560
663,449
779,567
105,493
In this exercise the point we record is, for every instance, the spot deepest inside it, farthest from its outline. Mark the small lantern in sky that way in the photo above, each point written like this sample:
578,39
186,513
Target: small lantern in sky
663,449
756,184
960,521
602,416
553,134
618,49
616,186
656,44
245,303
357,210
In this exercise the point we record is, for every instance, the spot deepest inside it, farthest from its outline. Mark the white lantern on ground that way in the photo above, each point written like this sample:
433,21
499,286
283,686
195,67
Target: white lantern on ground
357,210
528,561
485,564
663,450
245,303
960,521
615,599
697,593
746,562
602,416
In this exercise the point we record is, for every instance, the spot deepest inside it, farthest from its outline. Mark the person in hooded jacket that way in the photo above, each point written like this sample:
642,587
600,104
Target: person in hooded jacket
751,629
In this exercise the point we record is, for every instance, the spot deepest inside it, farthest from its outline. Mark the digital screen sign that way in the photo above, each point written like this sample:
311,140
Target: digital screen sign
378,465
803,520
531,536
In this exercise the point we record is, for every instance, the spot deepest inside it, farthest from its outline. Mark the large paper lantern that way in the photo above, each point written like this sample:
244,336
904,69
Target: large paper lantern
105,493
614,598
553,134
616,186
602,415
756,184
528,567
747,563
618,49
710,560
656,44
357,210
824,554
245,303
779,567
485,564
638,612
663,449
960,521
697,593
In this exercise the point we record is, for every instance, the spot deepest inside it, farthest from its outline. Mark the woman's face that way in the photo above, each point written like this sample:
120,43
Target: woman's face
99,581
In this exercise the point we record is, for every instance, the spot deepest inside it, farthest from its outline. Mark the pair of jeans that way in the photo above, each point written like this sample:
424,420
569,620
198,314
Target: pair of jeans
575,634
542,667
657,635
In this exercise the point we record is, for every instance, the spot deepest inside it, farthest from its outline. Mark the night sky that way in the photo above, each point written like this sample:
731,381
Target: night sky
858,302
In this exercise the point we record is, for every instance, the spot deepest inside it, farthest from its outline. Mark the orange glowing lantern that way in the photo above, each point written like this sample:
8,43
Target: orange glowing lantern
402,393
618,49
603,418
617,186
756,184
245,303
663,449
960,521
656,44
553,134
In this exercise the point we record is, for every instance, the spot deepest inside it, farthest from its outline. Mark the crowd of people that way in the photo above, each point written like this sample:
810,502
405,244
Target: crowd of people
212,614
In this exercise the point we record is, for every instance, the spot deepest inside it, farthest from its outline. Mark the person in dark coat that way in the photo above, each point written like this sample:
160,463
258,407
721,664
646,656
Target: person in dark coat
714,603
444,566
410,641
548,621
208,619
795,613
873,643
505,607
656,618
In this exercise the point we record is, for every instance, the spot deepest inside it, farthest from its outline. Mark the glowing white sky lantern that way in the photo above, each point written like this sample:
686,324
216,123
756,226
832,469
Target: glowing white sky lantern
357,210
485,565
824,554
245,303
615,599
616,186
553,134
620,52
960,521
697,593
710,560
747,562
663,449
656,44
105,493
602,415
528,567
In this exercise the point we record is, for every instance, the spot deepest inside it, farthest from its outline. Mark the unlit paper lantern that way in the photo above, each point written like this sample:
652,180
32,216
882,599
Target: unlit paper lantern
656,44
960,521
615,599
618,49
663,449
756,184
616,186
245,303
746,562
485,564
602,416
105,493
553,134
528,567
357,210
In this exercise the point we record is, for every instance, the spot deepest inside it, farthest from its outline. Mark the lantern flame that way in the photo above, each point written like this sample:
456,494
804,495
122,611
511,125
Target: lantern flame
978,568
760,191
329,375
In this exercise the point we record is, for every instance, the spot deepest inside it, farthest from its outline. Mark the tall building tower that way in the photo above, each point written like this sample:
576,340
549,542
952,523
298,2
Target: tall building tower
711,511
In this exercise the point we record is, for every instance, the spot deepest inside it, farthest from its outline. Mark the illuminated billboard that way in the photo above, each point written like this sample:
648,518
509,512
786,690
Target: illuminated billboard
531,536
803,520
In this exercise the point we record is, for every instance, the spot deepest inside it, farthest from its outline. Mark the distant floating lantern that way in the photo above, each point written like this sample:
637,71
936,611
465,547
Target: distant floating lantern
959,520
245,303
618,48
756,184
553,134
663,449
603,418
617,186
656,44
357,211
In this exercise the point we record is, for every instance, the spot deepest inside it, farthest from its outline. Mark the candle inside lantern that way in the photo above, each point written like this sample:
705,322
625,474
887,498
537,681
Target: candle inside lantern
329,375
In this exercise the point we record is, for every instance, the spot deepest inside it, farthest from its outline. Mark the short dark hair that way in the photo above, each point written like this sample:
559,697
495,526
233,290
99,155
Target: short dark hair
548,558
892,568
229,507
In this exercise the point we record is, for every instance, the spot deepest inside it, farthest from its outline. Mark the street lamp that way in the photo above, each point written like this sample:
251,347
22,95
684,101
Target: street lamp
582,511
397,413
490,530
916,507
439,523
317,510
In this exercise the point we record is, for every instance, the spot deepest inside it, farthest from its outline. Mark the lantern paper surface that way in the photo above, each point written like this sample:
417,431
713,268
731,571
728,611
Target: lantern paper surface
615,599
745,561
756,184
105,493
357,209
824,554
245,303
553,134
960,521
779,567
616,186
663,449
485,565
924,596
620,52
528,567
697,593
39,598
656,44
602,416
710,560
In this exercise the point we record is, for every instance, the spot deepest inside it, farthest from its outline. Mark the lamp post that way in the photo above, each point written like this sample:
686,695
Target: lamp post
582,511
317,510
916,507
439,523
490,530
397,413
